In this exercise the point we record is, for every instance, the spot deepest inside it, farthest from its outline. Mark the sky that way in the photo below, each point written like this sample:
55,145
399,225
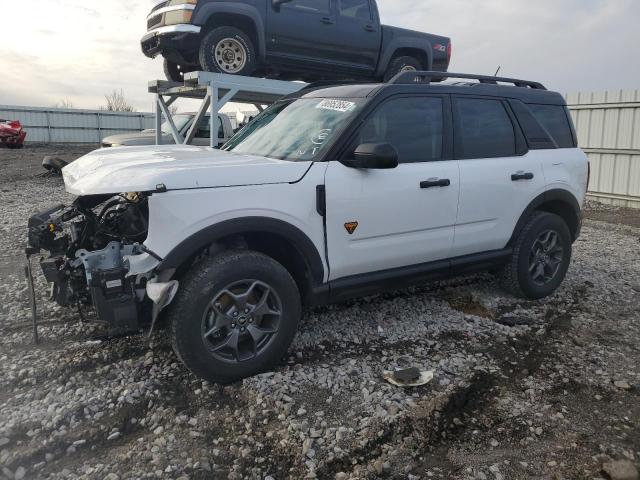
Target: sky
78,50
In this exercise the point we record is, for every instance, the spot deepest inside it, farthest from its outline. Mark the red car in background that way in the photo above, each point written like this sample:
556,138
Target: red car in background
12,134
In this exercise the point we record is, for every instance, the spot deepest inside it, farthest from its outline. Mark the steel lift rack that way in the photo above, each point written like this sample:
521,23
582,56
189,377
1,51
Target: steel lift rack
215,90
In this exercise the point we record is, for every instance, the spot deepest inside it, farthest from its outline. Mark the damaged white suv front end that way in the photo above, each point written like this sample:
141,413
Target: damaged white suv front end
103,254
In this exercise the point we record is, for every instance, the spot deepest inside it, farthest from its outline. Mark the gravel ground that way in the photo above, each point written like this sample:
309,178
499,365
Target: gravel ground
522,390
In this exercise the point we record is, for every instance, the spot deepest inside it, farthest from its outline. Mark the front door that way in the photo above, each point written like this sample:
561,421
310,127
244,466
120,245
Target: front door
301,30
383,219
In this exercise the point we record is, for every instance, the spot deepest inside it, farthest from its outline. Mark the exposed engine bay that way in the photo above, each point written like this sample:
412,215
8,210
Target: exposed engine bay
96,260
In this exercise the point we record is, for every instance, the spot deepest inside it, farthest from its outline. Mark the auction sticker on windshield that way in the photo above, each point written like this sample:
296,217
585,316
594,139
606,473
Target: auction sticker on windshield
336,105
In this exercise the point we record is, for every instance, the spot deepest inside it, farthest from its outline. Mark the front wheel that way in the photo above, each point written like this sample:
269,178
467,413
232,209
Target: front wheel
235,316
228,50
174,71
541,257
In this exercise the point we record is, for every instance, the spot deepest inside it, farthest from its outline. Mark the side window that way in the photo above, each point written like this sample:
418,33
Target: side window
554,119
483,129
414,126
204,129
357,9
311,6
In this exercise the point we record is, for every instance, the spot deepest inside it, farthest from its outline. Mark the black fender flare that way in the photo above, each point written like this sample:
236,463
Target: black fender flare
558,194
205,237
206,10
404,42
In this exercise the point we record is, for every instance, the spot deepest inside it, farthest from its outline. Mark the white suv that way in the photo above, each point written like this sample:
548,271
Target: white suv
329,194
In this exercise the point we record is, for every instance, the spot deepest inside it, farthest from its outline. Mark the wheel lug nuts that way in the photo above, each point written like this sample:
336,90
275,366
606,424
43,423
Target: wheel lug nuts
233,325
251,320
246,310
235,314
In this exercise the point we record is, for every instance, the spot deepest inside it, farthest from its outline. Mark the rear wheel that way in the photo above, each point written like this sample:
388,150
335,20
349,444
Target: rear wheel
541,257
228,50
401,64
235,315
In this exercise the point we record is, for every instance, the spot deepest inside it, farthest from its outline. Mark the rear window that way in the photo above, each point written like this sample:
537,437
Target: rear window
554,119
358,9
483,129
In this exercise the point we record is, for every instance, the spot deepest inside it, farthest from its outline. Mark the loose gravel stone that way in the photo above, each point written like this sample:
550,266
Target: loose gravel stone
621,470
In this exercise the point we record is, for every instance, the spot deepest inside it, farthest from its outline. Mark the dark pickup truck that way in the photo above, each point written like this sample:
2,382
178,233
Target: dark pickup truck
307,40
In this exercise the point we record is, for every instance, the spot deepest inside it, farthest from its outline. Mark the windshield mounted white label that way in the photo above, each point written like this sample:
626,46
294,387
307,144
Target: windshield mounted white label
342,106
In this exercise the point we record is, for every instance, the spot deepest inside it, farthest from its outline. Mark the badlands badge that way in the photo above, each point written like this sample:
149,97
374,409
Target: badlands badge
351,227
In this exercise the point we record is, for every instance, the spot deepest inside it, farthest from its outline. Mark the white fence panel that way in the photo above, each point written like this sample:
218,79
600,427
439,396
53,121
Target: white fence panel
66,125
608,128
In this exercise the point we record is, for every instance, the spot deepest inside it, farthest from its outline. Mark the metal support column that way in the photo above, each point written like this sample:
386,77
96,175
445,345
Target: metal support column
158,121
213,119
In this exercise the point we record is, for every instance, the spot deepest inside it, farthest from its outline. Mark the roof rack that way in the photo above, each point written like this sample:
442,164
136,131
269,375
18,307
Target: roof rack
429,77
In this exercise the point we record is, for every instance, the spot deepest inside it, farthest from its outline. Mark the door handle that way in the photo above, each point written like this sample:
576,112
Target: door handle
370,28
522,176
438,182
326,21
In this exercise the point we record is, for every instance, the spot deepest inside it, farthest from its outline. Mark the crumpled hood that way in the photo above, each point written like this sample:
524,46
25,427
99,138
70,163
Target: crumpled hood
177,167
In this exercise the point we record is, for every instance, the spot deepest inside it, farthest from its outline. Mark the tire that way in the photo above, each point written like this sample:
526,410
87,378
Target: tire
522,275
174,71
193,315
228,50
400,64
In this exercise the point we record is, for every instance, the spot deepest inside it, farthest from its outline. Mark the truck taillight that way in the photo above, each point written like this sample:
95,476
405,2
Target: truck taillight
449,51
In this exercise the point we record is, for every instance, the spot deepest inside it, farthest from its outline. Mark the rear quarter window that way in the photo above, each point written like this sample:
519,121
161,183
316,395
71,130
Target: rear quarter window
555,119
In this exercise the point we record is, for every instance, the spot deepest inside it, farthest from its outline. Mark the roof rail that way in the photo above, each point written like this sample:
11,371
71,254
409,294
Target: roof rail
429,77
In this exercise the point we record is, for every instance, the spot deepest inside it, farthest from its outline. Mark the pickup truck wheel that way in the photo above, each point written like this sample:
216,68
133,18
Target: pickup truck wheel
174,71
228,50
401,64
234,316
541,257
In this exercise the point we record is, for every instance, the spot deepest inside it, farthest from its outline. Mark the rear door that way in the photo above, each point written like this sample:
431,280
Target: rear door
378,220
304,30
498,176
359,32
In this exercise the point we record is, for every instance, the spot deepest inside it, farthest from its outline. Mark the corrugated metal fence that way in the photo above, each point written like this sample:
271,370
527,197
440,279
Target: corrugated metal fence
608,127
64,125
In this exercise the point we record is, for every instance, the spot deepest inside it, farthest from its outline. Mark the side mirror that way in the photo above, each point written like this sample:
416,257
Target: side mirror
373,156
276,4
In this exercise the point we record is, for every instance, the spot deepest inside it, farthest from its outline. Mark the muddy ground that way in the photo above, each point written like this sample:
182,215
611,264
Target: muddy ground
522,390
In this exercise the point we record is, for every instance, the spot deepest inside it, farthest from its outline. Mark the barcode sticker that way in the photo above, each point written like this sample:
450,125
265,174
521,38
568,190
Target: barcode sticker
342,106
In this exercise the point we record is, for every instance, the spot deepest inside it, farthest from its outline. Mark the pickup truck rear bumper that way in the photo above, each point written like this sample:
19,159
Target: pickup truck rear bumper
169,38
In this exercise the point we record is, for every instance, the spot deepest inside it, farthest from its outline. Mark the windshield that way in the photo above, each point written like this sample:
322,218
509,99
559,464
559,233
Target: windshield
296,130
179,120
